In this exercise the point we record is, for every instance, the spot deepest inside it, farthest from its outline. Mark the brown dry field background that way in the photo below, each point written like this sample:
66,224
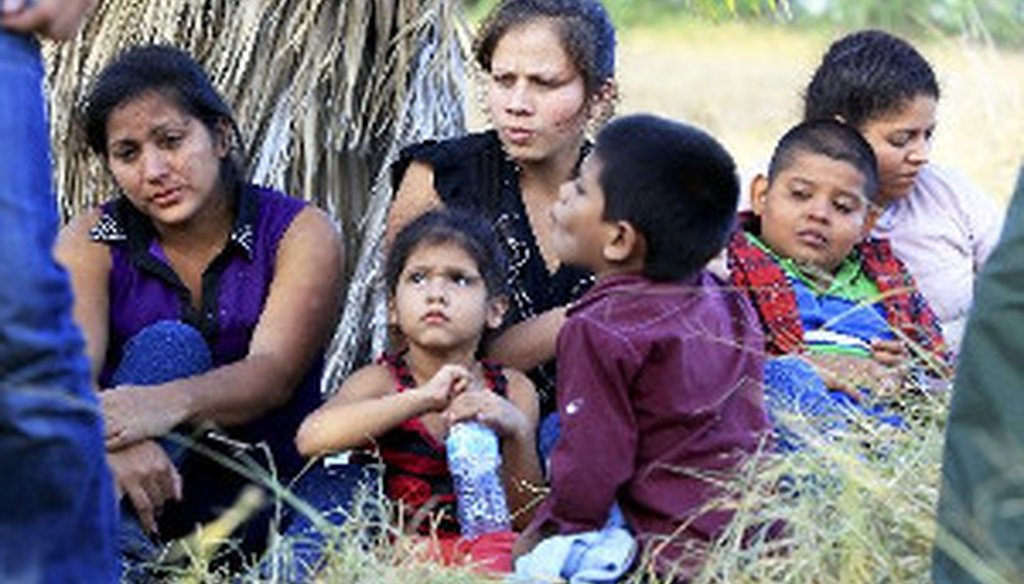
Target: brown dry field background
743,84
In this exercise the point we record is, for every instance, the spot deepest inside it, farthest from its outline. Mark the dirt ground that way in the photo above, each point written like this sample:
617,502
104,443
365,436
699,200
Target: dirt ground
743,84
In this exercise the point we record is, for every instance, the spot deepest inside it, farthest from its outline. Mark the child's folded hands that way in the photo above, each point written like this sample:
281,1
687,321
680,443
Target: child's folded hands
489,409
449,382
891,353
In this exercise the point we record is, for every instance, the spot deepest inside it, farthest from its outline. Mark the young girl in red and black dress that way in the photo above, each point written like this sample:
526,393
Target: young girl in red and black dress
444,274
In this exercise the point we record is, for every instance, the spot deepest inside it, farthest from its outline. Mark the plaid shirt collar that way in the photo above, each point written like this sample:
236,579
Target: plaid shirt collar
755,271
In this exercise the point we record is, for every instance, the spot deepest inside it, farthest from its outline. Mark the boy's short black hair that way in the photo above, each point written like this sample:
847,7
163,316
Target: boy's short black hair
675,184
830,138
867,74
461,227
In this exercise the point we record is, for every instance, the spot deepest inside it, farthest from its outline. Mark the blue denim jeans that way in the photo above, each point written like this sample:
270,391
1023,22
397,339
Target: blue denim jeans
331,491
57,514
163,351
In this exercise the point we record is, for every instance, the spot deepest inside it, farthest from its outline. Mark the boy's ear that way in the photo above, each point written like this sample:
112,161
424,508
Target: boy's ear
496,308
758,194
623,244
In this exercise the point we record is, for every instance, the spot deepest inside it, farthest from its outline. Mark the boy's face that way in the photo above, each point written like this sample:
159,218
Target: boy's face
579,232
814,211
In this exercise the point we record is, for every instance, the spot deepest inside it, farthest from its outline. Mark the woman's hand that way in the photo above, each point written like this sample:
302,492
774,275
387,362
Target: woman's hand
529,343
132,414
57,19
489,409
145,473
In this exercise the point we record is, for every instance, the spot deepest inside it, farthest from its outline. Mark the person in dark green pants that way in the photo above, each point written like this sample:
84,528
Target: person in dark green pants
980,516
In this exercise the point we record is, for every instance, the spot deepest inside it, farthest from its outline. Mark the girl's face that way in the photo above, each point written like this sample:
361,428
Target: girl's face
536,97
902,141
166,161
440,302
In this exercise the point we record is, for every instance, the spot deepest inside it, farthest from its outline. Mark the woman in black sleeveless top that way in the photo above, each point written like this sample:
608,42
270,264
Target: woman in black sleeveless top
550,67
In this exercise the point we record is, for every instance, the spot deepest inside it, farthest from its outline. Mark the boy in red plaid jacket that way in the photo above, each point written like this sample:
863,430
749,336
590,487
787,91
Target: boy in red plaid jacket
841,305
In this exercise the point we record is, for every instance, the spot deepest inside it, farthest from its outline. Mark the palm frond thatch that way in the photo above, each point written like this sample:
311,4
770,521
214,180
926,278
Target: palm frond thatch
325,92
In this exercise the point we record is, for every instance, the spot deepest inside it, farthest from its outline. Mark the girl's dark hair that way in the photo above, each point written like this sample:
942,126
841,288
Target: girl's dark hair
584,26
461,227
173,74
867,74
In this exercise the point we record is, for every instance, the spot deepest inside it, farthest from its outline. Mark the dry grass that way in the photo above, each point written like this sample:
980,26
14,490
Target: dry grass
854,506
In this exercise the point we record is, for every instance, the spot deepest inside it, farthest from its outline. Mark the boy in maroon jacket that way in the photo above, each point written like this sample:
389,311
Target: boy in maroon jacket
659,365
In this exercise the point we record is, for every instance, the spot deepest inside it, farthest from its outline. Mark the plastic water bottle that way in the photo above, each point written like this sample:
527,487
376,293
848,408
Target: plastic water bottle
474,460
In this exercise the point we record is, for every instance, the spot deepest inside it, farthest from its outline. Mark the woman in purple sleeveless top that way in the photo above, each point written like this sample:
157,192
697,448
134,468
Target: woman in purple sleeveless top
205,301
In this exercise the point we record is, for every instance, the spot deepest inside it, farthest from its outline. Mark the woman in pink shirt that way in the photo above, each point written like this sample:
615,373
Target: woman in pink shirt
939,224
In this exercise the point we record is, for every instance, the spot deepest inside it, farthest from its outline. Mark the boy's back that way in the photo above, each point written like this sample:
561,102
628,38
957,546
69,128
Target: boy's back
659,366
659,392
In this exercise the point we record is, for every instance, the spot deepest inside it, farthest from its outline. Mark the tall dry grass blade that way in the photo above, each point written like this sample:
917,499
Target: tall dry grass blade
204,542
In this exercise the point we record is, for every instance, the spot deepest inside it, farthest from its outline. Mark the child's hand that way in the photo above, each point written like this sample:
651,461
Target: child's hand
850,374
891,353
445,385
489,409
526,541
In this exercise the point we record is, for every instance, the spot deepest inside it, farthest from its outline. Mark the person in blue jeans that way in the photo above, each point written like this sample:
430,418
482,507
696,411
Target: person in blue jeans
57,513
844,323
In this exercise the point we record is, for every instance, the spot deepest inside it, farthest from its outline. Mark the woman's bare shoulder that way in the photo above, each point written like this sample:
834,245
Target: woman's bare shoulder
75,241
